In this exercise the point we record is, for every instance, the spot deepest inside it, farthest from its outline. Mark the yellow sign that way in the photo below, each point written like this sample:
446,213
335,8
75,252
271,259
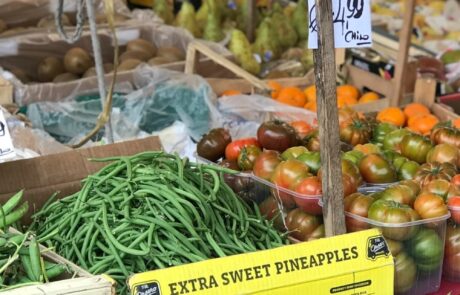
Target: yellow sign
352,264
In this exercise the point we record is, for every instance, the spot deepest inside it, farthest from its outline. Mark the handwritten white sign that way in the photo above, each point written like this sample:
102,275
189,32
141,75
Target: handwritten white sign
352,24
6,144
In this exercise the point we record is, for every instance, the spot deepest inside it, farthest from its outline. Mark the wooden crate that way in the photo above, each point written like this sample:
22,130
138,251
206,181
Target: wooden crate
78,282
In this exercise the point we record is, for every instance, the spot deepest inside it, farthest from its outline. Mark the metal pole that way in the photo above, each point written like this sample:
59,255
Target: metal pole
99,64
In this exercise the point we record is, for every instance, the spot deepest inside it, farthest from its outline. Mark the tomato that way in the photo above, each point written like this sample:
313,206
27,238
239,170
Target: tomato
310,186
357,204
415,147
442,188
351,169
451,267
232,151
347,114
405,272
448,135
381,130
427,249
349,185
394,212
430,206
353,156
430,171
413,185
355,132
376,169
303,226
270,208
248,156
367,148
311,141
393,139
293,152
265,164
301,127
402,194
456,180
444,153
394,246
391,155
276,135
312,160
289,174
212,145
454,206
408,170
398,161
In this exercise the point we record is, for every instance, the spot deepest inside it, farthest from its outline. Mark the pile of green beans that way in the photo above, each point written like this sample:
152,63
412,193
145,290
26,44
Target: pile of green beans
151,211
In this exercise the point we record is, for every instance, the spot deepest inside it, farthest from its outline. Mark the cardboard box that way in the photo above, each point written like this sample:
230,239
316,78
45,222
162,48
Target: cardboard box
357,263
43,176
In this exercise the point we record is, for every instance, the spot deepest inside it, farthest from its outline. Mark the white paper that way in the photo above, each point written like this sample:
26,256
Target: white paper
6,144
352,24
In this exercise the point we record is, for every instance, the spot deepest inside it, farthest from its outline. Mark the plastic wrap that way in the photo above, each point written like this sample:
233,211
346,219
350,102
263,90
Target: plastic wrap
243,114
162,98
28,142
26,53
25,14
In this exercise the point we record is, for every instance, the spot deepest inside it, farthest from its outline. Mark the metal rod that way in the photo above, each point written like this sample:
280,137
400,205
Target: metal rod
98,64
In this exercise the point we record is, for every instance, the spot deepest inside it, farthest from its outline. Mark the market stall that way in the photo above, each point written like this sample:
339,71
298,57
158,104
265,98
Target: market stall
207,149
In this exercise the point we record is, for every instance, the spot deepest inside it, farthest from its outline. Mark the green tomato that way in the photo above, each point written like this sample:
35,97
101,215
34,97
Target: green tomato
408,170
293,152
248,156
388,211
415,147
376,169
353,156
381,130
394,138
312,160
427,249
405,272
398,161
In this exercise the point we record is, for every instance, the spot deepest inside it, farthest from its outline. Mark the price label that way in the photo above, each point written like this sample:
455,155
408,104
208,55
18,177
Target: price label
6,143
352,24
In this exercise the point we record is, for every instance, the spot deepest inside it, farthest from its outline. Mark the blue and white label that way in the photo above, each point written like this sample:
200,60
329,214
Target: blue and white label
352,24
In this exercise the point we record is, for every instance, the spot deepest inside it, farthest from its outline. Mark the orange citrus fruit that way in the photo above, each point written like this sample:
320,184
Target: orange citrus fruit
392,115
292,96
414,109
368,97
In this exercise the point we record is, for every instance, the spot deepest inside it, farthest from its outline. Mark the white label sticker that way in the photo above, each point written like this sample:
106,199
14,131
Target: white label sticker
352,24
6,144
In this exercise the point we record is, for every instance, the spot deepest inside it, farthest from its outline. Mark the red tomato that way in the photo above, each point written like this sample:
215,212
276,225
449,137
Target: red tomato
454,206
456,180
301,127
232,151
289,174
452,253
311,188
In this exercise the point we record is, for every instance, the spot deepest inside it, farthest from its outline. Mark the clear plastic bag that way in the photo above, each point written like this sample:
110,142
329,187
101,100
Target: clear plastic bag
242,114
162,97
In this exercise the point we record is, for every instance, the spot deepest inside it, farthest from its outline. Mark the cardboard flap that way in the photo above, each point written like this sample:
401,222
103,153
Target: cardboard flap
43,176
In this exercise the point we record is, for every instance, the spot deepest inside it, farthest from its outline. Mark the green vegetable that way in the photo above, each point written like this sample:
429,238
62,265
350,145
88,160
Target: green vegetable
151,211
